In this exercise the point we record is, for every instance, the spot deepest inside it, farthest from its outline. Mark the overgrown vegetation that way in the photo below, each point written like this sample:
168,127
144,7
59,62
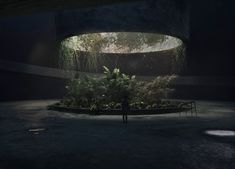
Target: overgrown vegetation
107,92
87,49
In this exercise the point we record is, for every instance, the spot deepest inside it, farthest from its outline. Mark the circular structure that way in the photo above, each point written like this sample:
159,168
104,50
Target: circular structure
173,108
133,52
220,133
122,42
149,17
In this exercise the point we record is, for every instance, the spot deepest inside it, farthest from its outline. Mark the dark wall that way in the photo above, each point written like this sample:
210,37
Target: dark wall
29,38
212,32
19,86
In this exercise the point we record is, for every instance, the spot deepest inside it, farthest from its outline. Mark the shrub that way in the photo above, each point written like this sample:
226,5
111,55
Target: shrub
108,91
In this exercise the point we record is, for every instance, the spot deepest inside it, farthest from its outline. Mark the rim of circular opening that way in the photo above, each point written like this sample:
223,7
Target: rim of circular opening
178,40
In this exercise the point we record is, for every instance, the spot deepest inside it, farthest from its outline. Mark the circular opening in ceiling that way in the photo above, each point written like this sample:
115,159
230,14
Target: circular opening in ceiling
122,42
132,52
220,133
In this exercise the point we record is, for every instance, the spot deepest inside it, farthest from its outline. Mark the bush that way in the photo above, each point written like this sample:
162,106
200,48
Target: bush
107,92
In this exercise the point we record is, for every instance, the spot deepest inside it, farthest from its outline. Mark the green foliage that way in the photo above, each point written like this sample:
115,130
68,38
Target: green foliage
178,58
87,49
130,41
118,85
87,91
66,56
155,90
107,92
70,51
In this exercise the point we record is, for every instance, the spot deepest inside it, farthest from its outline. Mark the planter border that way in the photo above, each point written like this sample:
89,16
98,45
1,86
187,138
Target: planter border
155,111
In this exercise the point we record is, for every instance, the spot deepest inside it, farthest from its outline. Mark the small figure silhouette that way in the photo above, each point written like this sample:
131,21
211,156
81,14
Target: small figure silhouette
125,108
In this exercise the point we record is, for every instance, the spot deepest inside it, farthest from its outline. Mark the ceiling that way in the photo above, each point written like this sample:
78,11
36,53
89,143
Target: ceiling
21,7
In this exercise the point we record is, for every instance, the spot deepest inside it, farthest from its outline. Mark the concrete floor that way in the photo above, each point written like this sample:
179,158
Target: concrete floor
70,141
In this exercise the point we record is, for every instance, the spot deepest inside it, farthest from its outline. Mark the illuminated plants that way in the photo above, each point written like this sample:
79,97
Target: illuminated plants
106,92
88,52
100,92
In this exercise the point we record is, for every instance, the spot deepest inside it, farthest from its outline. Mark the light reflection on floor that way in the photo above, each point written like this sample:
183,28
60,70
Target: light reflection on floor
220,133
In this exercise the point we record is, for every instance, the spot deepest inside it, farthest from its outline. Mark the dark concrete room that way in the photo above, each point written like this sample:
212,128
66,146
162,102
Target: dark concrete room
130,84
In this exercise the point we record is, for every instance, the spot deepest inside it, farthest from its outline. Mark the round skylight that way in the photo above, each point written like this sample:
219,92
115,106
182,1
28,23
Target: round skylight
122,42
